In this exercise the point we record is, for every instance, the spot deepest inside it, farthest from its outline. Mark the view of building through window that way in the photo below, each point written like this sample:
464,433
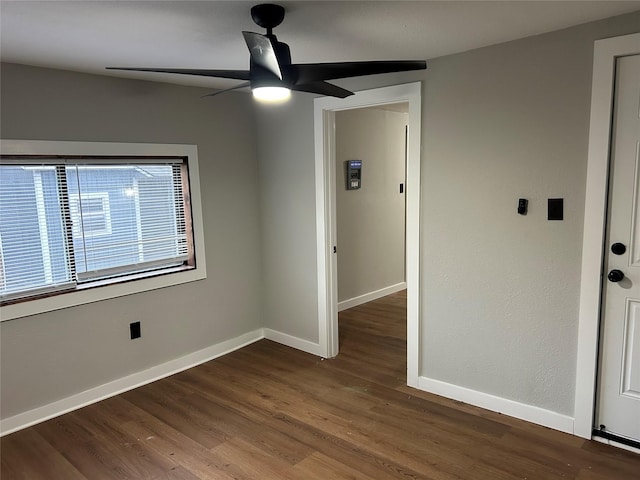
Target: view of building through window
63,224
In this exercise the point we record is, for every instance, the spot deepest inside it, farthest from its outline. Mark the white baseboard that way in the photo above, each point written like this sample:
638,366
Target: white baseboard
293,342
371,296
93,395
539,416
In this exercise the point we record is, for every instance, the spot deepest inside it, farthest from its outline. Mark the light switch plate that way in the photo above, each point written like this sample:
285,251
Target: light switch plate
555,209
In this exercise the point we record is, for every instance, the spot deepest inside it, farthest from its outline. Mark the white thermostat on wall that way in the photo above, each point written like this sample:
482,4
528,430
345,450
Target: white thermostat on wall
353,174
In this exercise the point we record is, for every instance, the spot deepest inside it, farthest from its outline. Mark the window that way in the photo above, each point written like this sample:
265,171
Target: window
90,214
72,223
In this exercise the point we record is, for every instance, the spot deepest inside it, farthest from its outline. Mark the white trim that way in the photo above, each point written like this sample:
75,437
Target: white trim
540,416
613,443
79,297
605,54
293,342
323,138
324,127
124,384
371,296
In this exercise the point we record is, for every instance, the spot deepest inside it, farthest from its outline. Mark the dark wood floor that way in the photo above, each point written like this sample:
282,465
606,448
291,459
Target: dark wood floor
271,412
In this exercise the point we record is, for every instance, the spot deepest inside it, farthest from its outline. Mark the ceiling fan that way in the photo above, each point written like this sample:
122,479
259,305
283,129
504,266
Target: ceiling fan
271,74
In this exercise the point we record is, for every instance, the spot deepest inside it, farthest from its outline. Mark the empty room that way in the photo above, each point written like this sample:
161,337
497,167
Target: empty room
319,240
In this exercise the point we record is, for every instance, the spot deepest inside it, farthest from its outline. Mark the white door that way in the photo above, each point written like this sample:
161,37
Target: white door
618,410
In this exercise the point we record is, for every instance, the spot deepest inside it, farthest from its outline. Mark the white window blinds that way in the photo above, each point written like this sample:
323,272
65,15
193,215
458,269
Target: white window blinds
67,222
33,235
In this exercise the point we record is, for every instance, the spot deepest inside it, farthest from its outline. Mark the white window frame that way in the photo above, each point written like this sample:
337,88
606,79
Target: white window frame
75,207
118,289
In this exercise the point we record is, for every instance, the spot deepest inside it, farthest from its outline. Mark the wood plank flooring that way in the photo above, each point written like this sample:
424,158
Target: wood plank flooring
271,412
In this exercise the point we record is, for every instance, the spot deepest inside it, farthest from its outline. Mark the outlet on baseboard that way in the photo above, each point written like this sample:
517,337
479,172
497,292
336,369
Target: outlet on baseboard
135,330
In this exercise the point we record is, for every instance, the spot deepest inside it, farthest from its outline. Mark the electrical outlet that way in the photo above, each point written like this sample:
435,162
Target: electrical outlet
135,330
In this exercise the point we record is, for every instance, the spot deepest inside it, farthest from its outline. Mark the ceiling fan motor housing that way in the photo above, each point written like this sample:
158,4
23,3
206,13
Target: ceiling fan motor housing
267,15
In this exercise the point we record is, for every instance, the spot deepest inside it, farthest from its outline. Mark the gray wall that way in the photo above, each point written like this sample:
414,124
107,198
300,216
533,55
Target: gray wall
370,220
499,291
50,356
287,208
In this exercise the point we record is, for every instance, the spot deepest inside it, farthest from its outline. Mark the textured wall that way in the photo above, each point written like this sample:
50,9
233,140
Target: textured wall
370,221
507,121
512,121
53,355
499,291
287,207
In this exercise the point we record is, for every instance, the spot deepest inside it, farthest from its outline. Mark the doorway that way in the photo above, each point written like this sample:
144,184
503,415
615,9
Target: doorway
324,125
370,202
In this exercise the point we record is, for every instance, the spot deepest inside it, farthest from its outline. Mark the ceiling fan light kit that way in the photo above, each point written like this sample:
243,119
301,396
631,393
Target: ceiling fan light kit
271,94
271,74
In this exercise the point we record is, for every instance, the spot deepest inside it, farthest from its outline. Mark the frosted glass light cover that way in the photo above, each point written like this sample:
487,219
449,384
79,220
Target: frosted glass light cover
271,94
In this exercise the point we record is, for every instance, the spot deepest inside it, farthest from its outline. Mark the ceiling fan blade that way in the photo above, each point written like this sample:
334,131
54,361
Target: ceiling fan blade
312,72
262,52
234,74
322,88
213,94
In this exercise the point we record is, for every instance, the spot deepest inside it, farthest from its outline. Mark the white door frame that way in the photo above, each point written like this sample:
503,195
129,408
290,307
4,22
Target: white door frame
325,169
595,208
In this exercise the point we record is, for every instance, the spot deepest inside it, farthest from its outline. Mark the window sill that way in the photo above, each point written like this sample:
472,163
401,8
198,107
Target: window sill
102,290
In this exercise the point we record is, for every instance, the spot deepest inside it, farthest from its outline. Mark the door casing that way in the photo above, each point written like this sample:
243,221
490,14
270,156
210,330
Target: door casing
324,133
605,53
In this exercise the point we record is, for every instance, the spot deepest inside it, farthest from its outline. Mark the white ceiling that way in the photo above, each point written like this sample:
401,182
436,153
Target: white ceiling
87,36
